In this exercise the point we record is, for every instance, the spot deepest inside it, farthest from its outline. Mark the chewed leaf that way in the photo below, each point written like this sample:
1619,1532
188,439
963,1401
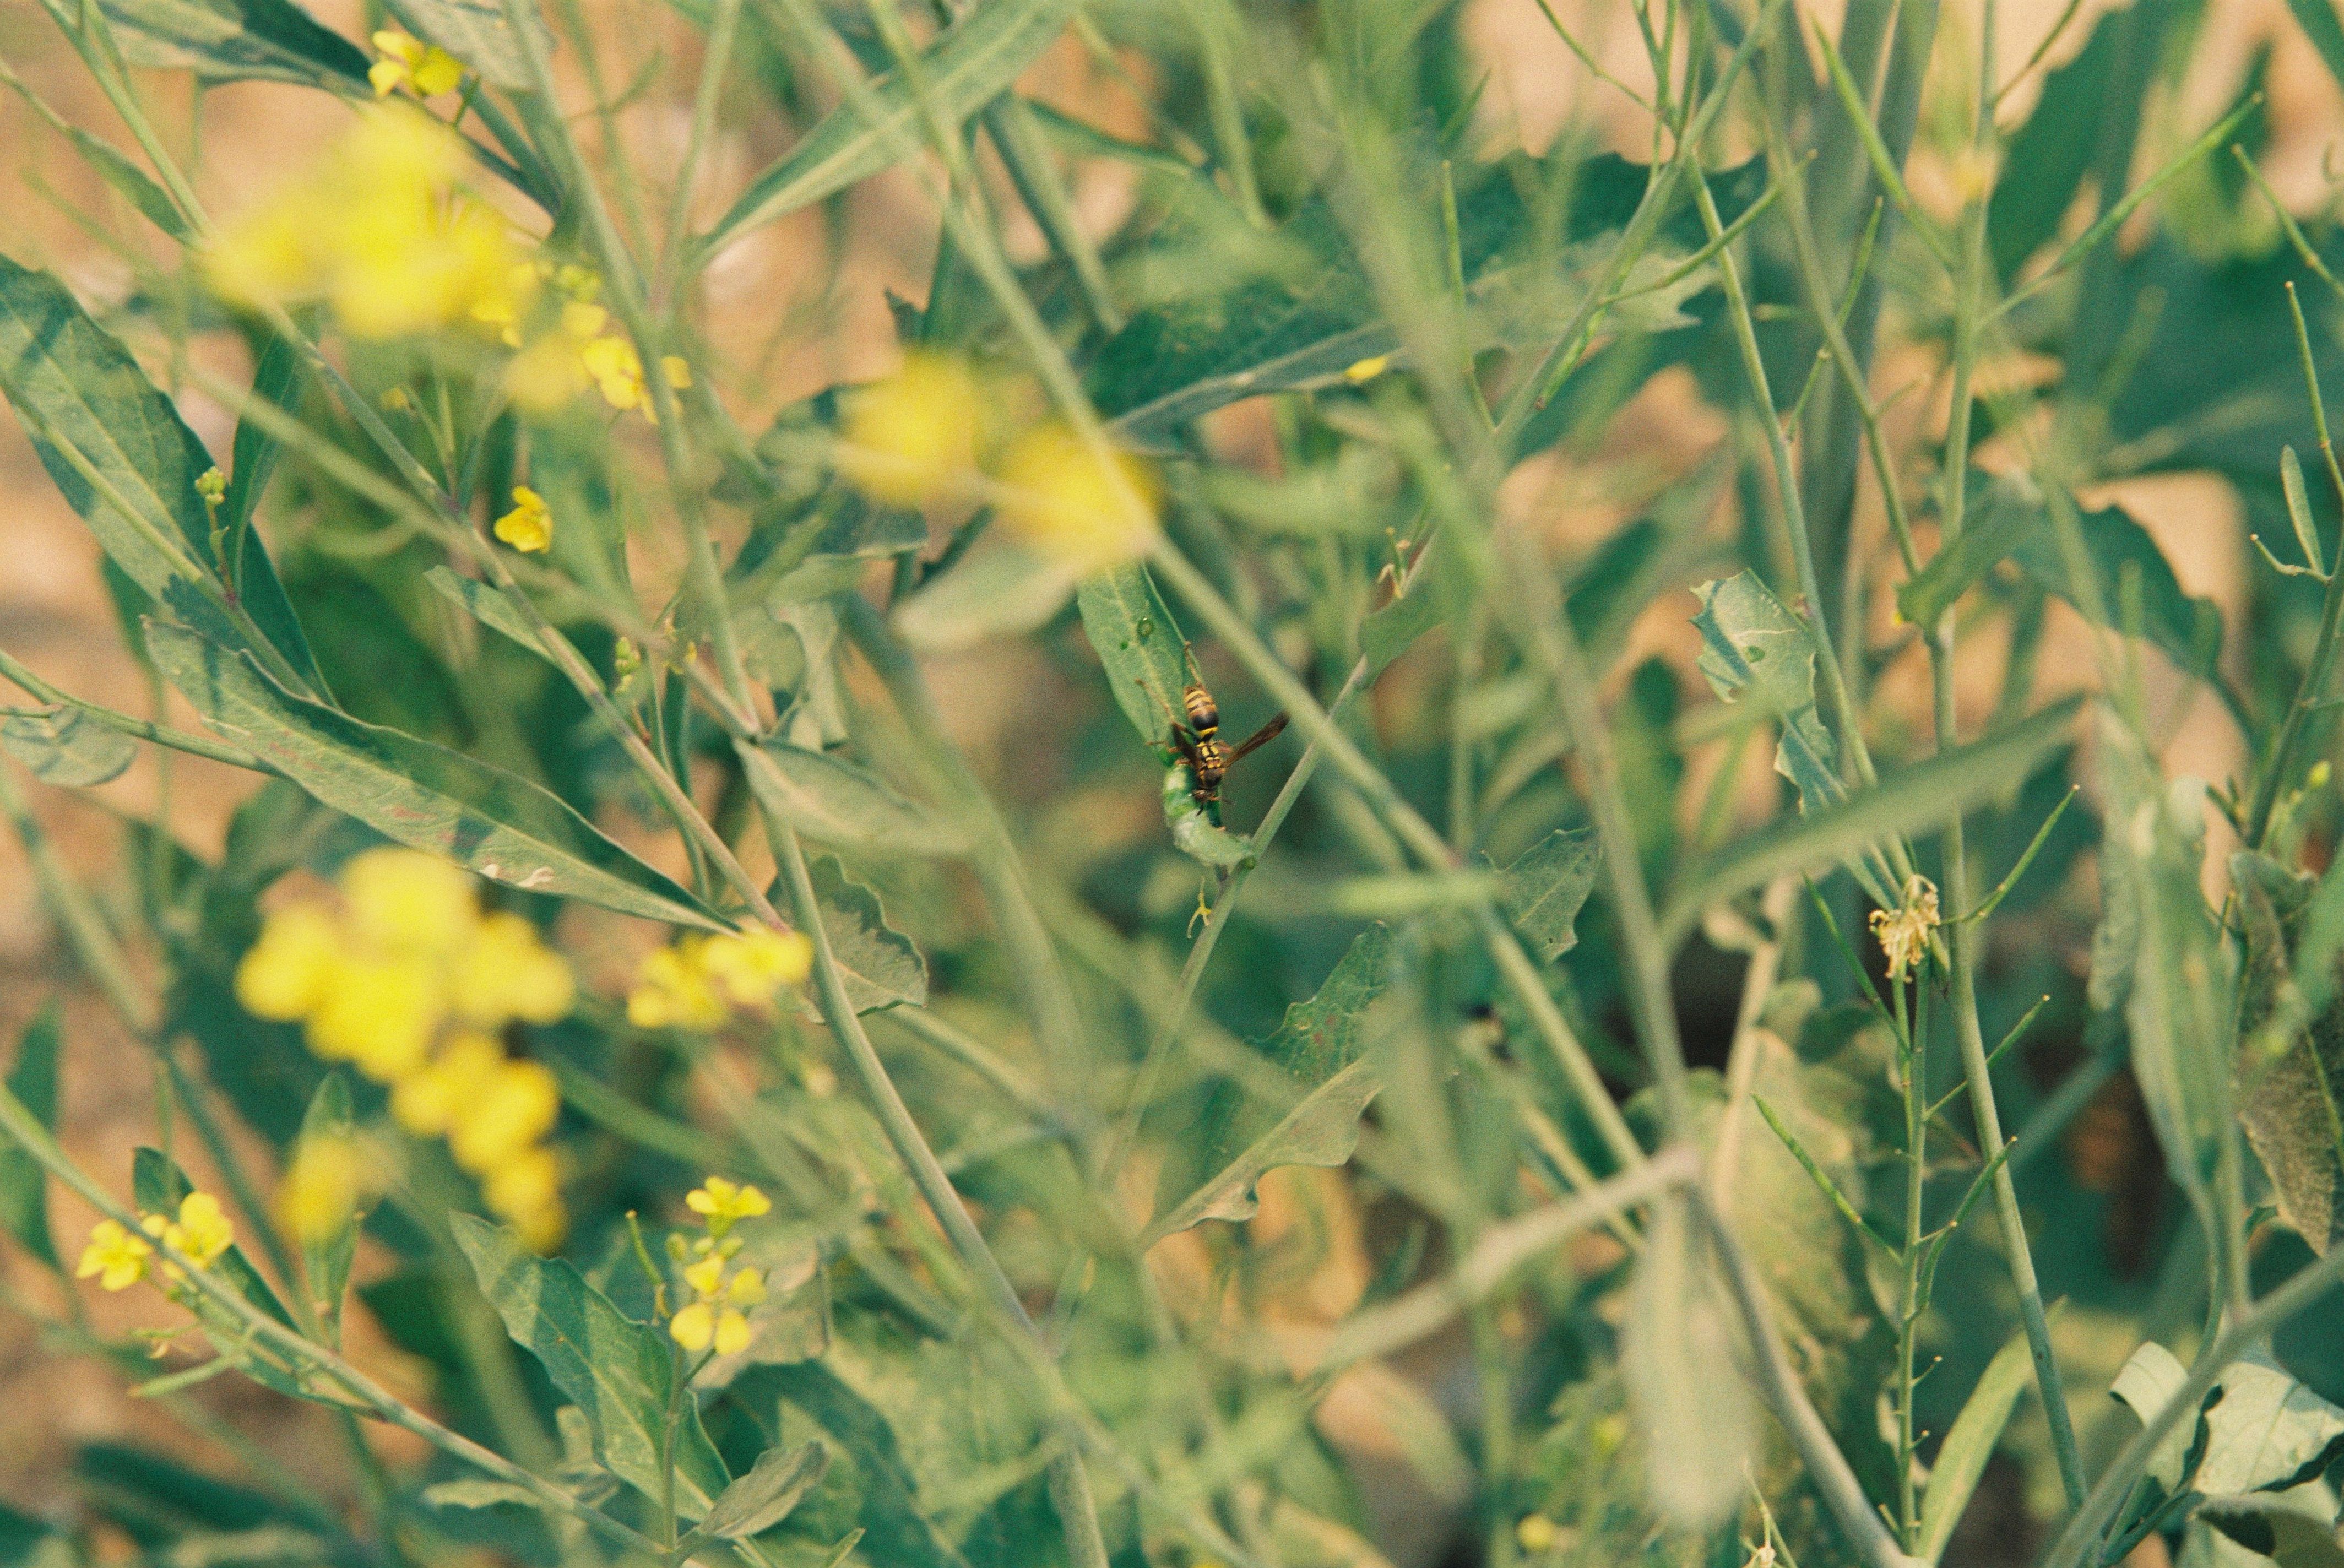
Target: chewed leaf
66,747
425,797
618,1372
1753,650
881,967
1319,1047
1547,885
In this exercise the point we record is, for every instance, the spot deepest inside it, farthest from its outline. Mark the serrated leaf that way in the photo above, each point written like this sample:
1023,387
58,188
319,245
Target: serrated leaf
1962,1458
425,797
66,747
325,1258
1544,887
619,1372
1136,639
762,1499
1678,1357
230,40
881,967
1238,1138
91,410
833,801
969,64
24,1186
1925,795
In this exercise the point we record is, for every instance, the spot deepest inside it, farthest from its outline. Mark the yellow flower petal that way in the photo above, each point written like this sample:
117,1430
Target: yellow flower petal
912,439
693,1327
733,1333
1067,502
286,973
529,526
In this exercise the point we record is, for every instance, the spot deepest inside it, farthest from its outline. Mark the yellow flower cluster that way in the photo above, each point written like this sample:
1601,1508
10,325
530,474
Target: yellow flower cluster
379,229
119,1257
409,981
323,1182
700,981
717,1314
409,62
579,348
916,437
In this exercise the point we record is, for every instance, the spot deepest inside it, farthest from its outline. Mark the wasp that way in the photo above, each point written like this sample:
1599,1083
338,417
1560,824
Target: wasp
1197,737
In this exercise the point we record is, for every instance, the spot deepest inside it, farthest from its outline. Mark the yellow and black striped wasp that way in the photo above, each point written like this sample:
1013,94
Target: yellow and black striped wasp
1196,736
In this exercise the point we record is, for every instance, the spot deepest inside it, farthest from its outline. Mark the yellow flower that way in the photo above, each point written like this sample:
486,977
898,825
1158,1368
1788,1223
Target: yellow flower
752,965
693,1327
117,1255
733,1332
320,1190
379,229
410,62
529,526
706,1277
511,1110
505,973
1537,1532
1903,932
404,901
1069,503
618,371
200,1234
1368,370
724,1204
912,439
379,1014
677,370
672,990
286,973
747,1288
426,1102
525,1183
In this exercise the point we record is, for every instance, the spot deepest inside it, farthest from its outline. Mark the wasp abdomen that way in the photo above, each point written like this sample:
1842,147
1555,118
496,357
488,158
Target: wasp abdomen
1203,713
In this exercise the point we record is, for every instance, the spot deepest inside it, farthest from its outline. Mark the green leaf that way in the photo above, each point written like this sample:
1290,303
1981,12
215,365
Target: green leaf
1319,1050
1752,649
24,1187
476,32
1962,1458
1925,795
2011,522
2318,22
127,464
1139,642
2050,153
2263,1430
326,1260
484,602
970,64
1545,886
997,591
883,967
762,1499
252,453
619,1372
833,801
1678,1357
425,797
66,747
2289,1077
230,40
2146,1382
130,182
2291,1532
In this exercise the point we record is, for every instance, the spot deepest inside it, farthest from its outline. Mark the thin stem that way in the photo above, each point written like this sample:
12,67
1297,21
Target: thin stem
1070,1481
